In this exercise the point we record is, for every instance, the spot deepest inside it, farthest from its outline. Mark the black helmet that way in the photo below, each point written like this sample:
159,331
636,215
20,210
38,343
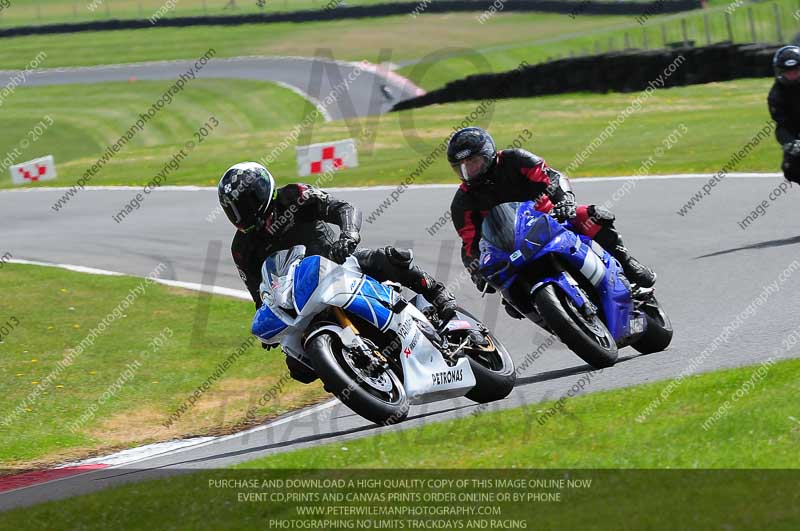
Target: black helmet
471,152
787,61
246,194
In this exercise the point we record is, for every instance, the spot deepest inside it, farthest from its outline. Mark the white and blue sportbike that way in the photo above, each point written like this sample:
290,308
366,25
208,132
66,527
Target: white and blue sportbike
375,351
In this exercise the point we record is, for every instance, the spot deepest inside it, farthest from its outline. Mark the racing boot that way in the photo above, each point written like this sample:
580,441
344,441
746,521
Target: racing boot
436,293
638,273
635,271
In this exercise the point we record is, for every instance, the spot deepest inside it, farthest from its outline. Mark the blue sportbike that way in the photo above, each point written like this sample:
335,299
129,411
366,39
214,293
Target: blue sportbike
569,285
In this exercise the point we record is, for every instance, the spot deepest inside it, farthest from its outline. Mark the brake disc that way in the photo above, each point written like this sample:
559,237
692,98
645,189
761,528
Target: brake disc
380,382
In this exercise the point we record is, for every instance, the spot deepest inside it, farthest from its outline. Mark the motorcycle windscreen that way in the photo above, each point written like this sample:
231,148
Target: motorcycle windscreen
278,263
276,279
498,227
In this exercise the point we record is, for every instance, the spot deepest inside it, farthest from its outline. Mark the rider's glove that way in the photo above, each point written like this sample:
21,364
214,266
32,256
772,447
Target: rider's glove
344,246
792,148
565,209
481,284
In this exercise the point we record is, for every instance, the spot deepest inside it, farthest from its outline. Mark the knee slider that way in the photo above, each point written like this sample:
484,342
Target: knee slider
601,215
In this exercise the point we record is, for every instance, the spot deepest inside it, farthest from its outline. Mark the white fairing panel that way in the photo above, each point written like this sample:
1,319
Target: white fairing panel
426,375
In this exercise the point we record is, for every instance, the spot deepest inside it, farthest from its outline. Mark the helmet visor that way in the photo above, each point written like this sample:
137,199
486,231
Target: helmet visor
243,212
471,168
792,74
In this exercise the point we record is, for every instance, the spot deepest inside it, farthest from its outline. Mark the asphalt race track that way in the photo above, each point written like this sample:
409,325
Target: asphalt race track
709,269
314,78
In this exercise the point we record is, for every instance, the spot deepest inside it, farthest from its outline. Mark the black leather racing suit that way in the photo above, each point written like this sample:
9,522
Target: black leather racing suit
300,217
784,106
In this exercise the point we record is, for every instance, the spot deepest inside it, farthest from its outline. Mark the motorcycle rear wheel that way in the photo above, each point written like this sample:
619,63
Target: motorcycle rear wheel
493,368
658,334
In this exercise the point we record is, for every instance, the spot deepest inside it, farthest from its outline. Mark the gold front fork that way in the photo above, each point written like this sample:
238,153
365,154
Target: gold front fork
344,321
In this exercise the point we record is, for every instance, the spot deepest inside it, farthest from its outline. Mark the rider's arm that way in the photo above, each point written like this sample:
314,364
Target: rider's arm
539,177
777,109
320,205
467,223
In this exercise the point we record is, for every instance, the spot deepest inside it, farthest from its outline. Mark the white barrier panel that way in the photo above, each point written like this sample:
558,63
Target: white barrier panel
41,169
320,158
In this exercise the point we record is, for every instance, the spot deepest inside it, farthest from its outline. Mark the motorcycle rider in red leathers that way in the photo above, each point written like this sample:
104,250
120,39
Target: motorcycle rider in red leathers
491,177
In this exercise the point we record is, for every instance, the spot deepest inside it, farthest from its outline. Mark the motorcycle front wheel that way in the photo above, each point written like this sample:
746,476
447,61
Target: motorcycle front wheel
379,398
588,338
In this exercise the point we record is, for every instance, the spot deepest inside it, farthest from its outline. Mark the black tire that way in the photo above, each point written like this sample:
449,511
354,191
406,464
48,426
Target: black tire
342,382
658,334
494,371
591,341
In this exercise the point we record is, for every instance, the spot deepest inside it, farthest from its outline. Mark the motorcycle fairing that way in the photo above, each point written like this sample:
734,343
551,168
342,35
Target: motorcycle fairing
306,280
266,324
538,235
372,301
319,283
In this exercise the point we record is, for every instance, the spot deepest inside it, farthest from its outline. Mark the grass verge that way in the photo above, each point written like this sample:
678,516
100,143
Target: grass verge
715,120
121,388
85,119
374,39
591,432
433,57
599,430
35,12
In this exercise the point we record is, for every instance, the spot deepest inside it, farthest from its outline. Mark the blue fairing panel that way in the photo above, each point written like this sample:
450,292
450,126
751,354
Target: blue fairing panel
306,280
369,303
266,324
536,233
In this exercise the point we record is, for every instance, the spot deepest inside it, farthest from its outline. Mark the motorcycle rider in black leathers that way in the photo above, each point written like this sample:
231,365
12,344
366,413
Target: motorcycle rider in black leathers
491,177
784,106
270,219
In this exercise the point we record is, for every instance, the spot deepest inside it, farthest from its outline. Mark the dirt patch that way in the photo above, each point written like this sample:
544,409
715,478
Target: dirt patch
126,427
221,411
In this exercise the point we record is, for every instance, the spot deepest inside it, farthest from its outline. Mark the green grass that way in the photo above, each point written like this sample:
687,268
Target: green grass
35,12
23,12
55,310
599,430
433,57
594,431
354,39
87,118
719,118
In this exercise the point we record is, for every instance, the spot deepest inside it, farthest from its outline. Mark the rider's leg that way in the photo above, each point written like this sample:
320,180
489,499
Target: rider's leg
791,168
598,223
390,263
